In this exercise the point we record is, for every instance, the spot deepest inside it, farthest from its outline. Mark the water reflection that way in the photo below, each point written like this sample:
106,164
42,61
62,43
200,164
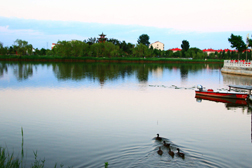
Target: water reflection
3,68
236,79
102,72
230,104
23,71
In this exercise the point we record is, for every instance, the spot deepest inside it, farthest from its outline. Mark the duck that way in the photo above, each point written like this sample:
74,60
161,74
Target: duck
171,153
180,154
167,145
160,152
158,138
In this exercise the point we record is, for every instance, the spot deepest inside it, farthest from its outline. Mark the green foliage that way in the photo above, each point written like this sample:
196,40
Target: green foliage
22,47
250,42
91,41
7,160
144,39
106,164
238,43
141,50
185,45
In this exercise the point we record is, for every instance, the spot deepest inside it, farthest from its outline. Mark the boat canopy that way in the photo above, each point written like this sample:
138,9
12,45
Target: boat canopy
249,88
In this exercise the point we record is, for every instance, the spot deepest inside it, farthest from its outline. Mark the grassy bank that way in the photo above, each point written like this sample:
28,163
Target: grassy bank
105,59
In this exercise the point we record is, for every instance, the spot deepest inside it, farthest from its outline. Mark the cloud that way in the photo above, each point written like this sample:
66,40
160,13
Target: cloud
182,15
6,31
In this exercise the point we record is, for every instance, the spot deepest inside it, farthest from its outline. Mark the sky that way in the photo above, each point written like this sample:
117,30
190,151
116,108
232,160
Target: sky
205,24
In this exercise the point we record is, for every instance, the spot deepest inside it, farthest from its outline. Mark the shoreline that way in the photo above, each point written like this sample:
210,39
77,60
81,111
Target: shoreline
105,60
237,71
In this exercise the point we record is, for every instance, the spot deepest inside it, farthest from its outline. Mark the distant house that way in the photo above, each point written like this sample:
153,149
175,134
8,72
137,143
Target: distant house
209,51
53,44
157,45
175,49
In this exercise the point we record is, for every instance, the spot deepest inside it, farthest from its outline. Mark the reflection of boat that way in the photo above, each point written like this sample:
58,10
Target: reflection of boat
221,94
230,102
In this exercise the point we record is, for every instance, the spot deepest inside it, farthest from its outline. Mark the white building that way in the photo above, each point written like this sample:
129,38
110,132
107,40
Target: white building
157,45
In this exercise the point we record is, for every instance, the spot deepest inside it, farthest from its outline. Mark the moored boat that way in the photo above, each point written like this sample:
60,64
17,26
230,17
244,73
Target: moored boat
229,102
223,94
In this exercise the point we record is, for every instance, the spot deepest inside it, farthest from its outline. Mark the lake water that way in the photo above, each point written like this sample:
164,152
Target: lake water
86,114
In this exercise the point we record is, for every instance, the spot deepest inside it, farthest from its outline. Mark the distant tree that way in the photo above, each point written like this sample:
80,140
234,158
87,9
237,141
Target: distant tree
114,41
185,45
21,46
126,48
91,41
195,49
11,50
250,45
42,51
144,39
140,50
169,53
1,48
29,49
238,43
37,52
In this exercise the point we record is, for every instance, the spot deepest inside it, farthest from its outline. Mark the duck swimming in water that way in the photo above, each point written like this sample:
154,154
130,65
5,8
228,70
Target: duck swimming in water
180,154
158,138
166,145
171,153
160,152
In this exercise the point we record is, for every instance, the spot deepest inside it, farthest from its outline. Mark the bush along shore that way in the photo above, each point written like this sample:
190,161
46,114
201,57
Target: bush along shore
45,58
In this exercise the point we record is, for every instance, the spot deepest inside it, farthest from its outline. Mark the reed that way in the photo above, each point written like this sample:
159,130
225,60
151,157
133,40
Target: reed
8,160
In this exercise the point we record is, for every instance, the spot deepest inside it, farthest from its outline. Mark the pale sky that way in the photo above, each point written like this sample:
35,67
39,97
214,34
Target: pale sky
163,19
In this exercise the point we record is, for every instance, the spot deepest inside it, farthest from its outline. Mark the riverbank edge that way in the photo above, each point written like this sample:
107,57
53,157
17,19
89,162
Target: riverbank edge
237,71
106,60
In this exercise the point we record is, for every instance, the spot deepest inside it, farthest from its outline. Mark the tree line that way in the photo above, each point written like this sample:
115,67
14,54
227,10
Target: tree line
115,48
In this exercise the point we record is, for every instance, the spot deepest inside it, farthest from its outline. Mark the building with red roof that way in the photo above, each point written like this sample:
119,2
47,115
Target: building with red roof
175,49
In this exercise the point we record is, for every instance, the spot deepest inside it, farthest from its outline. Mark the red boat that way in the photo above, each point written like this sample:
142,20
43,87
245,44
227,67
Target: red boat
221,94
229,102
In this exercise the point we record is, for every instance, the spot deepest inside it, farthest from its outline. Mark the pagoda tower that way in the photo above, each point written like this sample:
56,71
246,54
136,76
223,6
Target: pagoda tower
102,38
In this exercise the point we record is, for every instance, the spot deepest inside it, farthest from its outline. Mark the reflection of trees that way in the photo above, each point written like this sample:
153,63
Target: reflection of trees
23,70
184,72
3,68
111,71
102,72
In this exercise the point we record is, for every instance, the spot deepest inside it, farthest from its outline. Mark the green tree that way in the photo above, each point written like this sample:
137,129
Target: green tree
91,41
144,39
114,41
185,45
1,48
140,50
29,49
21,46
42,51
238,43
250,45
77,48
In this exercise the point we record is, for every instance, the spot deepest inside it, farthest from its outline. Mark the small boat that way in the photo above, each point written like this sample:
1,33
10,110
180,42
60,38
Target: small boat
223,94
229,102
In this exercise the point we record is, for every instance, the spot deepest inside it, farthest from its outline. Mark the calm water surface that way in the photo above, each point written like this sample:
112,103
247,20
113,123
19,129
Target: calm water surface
84,115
